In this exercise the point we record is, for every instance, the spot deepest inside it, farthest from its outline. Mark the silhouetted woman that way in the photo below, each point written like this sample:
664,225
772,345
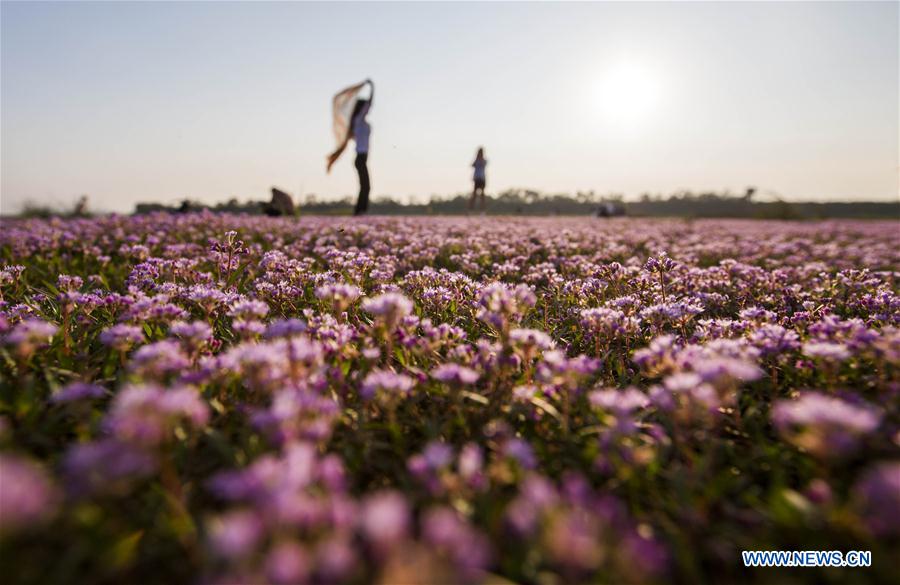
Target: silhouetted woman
354,126
479,178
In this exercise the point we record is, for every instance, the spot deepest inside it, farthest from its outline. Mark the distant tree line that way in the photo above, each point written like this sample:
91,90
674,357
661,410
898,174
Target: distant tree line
528,202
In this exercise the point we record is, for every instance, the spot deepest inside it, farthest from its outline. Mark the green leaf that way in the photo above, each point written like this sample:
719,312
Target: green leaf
475,397
125,550
546,407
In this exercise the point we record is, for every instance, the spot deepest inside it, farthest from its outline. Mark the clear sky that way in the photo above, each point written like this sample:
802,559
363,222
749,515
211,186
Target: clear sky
136,102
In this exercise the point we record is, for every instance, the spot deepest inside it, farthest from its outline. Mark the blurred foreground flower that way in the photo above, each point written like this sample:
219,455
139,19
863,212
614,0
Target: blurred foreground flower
824,425
27,496
877,496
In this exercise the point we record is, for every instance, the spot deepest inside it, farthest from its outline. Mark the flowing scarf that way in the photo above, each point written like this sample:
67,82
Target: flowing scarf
341,110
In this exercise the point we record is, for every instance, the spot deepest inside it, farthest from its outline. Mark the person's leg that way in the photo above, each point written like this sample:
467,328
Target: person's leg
474,197
362,203
365,183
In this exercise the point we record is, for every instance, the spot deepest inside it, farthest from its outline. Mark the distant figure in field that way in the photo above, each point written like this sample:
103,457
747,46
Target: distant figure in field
608,209
349,121
81,207
281,204
479,179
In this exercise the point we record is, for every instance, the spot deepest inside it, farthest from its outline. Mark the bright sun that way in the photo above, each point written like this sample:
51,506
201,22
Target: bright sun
627,94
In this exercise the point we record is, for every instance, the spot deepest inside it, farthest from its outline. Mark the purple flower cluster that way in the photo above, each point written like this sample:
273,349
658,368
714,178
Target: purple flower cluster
237,399
825,426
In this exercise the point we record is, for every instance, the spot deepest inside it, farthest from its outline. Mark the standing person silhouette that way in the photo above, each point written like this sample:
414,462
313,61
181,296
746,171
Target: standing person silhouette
479,178
354,126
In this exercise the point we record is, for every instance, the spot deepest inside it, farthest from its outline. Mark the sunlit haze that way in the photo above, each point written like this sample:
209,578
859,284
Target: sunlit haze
157,102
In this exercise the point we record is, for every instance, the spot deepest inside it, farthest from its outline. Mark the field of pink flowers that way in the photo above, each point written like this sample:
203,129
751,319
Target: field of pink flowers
228,399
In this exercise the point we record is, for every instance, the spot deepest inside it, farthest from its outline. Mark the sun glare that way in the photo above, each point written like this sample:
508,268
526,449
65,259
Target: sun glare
627,94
